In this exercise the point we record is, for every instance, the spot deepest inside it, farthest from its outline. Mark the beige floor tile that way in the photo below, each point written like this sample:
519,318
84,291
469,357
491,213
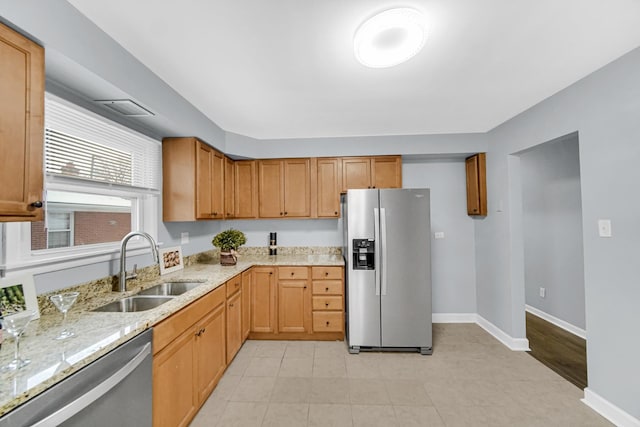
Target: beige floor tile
466,393
300,350
286,415
291,390
330,349
296,368
270,349
226,387
407,392
359,367
329,367
263,367
210,413
243,414
254,389
368,392
238,366
330,415
373,416
329,390
418,416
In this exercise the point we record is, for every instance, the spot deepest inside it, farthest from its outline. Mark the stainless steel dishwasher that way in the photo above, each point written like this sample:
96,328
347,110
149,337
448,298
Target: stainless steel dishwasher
115,390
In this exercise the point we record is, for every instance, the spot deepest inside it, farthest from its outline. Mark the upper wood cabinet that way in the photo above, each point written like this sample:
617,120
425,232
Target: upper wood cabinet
246,189
476,185
21,127
329,181
284,188
192,180
229,188
371,172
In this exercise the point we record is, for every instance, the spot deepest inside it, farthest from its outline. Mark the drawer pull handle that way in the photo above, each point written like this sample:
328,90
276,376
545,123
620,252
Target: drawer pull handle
292,273
37,204
327,323
326,289
326,273
326,304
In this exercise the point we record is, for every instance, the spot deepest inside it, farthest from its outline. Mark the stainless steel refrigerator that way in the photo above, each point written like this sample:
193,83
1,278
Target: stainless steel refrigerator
387,249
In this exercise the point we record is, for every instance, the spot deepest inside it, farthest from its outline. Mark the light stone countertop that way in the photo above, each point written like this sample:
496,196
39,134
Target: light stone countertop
97,333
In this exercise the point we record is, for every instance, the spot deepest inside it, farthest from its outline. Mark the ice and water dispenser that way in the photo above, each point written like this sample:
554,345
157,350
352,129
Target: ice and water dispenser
363,254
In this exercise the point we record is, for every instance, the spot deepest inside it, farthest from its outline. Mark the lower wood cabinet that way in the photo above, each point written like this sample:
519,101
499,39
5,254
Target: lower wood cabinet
246,304
294,300
189,358
263,300
328,299
234,325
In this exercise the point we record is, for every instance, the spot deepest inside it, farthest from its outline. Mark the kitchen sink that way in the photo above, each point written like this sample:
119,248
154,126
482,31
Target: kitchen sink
134,304
171,288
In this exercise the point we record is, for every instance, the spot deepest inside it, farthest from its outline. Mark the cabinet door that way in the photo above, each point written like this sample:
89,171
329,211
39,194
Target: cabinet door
204,178
21,127
294,306
476,185
234,325
175,401
386,172
263,300
328,192
270,197
246,189
246,304
217,185
297,187
229,188
211,355
356,173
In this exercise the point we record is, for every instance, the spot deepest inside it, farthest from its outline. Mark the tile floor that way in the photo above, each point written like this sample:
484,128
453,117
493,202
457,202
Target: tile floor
470,380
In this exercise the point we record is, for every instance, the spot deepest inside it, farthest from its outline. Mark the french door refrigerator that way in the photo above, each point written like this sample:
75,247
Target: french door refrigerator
387,249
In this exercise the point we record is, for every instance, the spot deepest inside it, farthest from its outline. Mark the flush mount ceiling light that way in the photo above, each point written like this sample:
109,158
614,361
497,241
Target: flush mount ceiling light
390,38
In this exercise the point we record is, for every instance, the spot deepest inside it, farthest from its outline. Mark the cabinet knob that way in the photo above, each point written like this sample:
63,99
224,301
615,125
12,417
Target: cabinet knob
271,272
326,273
285,212
292,273
326,289
280,213
304,287
230,305
335,213
373,186
36,204
326,304
327,323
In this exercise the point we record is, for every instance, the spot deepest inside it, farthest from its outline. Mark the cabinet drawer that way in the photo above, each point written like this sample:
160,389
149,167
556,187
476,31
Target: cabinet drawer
327,321
326,273
327,303
327,287
234,285
293,273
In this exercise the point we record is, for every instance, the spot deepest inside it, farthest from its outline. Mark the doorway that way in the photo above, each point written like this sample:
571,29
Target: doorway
553,256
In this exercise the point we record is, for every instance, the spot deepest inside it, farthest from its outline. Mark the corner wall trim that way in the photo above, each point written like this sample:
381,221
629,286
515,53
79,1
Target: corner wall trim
515,344
558,322
608,410
454,317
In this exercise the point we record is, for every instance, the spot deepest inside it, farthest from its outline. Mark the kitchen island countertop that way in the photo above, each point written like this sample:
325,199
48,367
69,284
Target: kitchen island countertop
97,333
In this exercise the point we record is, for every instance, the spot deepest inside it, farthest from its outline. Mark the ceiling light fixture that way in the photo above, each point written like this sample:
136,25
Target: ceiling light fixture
390,38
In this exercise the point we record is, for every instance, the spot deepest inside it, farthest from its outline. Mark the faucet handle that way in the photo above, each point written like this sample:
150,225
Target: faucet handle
134,273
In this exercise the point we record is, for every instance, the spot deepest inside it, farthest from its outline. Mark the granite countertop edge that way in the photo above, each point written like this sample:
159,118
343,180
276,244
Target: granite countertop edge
100,332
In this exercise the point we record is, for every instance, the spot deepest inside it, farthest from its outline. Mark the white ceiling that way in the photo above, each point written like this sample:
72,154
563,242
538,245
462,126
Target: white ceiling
286,69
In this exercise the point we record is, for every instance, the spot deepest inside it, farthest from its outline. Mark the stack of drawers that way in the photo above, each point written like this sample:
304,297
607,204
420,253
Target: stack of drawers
328,299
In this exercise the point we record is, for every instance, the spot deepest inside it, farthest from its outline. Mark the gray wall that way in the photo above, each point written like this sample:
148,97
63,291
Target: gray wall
552,229
604,109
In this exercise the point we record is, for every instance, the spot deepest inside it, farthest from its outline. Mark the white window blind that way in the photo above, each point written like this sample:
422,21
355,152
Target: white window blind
81,144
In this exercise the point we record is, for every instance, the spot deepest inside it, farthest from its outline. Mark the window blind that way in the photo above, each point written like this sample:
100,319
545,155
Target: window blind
81,144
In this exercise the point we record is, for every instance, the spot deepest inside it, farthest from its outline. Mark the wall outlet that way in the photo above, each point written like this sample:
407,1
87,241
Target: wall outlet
543,292
439,234
604,227
184,238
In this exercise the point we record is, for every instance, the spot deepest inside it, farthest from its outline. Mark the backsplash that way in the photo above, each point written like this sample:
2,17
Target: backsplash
103,286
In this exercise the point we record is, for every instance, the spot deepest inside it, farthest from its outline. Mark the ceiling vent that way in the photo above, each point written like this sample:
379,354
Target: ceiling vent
125,107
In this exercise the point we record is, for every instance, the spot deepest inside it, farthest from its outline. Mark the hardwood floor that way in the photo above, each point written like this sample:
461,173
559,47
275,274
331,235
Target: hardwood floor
561,351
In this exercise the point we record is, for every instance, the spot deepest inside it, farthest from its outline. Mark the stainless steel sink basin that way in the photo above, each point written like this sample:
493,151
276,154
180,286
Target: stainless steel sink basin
134,304
171,288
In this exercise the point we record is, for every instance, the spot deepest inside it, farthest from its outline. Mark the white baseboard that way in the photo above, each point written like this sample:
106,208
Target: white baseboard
454,317
515,344
558,322
608,410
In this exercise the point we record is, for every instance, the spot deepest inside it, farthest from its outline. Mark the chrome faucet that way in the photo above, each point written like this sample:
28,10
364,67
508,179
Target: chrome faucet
122,285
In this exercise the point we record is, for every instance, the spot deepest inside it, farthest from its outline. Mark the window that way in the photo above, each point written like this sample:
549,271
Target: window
102,181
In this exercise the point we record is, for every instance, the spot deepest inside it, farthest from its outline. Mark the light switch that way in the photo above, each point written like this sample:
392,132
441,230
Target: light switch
439,234
604,227
184,238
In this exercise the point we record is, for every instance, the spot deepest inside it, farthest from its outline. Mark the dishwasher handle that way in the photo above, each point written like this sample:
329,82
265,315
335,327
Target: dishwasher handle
72,408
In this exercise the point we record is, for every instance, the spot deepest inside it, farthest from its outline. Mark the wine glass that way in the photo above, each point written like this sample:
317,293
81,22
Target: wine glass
63,302
15,325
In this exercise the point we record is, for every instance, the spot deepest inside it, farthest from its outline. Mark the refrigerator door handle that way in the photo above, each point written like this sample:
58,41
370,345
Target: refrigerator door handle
376,247
383,256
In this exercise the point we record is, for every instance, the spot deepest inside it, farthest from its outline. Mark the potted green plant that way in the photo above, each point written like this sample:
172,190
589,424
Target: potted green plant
229,241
